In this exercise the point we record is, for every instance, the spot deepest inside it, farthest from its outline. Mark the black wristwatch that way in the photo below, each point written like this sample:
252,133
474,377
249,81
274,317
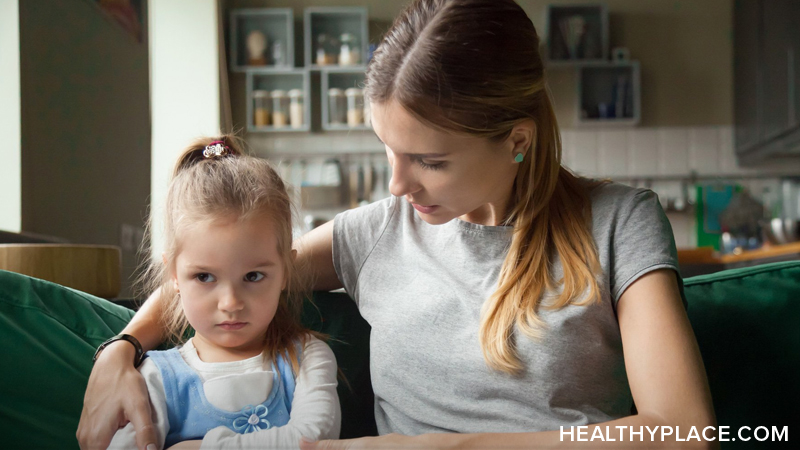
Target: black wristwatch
137,359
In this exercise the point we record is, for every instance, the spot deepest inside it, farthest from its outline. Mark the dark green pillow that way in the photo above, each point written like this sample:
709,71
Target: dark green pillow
48,334
747,323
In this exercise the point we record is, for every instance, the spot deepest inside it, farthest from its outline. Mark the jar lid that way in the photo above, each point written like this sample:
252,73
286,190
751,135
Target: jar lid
353,92
335,92
260,93
295,93
278,93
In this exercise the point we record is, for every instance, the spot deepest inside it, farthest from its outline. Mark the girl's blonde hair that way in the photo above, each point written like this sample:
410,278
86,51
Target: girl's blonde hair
235,186
473,67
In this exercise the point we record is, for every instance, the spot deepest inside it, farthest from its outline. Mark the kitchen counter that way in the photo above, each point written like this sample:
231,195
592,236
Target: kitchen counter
699,261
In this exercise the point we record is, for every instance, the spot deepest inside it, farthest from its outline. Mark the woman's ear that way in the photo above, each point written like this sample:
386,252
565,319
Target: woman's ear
521,138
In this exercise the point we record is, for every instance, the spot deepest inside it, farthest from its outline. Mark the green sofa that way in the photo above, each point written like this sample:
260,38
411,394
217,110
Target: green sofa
746,322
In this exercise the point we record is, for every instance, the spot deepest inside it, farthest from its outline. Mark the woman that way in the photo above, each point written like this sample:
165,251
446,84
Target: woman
507,297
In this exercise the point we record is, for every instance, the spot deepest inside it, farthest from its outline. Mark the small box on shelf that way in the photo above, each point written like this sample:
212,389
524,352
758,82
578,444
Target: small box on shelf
576,34
277,100
261,38
342,99
609,93
335,36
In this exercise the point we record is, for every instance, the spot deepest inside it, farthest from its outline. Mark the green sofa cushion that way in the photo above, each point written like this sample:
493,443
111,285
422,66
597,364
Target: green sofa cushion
48,333
746,322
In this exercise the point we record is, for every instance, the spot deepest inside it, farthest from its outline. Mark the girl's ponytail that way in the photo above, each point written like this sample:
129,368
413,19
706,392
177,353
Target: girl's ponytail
206,149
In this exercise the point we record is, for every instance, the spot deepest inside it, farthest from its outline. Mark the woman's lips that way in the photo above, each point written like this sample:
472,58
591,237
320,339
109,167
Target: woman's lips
231,326
425,209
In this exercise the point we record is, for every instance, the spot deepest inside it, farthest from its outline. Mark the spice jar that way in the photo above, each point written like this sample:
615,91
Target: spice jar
296,108
326,50
349,53
261,108
337,107
367,113
280,108
355,106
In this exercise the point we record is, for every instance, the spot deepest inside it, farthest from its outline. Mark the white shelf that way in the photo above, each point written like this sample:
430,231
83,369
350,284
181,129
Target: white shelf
609,86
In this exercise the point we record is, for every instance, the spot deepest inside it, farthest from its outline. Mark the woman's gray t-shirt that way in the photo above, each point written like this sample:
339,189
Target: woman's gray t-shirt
421,288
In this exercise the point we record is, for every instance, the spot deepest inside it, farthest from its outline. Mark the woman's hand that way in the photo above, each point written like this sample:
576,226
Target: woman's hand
389,441
187,445
116,394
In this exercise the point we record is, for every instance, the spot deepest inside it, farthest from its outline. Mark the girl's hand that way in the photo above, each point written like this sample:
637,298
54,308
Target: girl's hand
389,441
116,394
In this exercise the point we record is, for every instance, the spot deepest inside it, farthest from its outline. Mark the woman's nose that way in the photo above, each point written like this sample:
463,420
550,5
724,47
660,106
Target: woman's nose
402,182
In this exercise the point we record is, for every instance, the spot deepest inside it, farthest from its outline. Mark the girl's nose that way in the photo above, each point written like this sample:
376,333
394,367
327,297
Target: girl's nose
229,301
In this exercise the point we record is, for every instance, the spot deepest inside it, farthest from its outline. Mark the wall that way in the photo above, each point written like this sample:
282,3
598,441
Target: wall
10,122
185,87
85,125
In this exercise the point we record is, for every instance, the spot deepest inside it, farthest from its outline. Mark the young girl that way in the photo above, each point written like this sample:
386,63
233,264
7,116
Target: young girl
251,376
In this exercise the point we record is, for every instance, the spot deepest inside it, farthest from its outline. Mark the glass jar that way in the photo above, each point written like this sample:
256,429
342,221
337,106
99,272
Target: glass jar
280,108
337,107
261,108
296,110
349,52
326,50
355,106
367,112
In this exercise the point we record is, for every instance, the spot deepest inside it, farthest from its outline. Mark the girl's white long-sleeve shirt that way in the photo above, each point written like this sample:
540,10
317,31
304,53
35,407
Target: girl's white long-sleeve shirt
231,386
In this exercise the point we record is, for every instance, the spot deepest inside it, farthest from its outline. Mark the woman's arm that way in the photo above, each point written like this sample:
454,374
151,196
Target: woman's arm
315,410
315,254
117,393
665,372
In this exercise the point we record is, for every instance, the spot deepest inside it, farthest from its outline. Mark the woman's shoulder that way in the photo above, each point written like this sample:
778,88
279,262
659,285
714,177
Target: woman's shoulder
612,193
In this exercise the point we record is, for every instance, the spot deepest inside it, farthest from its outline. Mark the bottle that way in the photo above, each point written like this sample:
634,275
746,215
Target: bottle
280,108
277,54
349,53
296,112
261,108
355,106
337,107
367,113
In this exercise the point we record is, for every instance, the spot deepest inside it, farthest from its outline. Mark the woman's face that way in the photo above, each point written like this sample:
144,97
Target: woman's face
446,176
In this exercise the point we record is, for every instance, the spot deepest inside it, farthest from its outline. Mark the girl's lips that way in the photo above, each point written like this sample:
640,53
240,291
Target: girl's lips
230,326
425,209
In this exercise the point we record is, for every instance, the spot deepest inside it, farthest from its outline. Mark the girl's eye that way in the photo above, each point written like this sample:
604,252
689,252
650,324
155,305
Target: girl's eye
254,276
205,278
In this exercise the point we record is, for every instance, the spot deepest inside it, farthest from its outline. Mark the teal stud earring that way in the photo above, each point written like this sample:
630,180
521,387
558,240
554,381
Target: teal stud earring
519,157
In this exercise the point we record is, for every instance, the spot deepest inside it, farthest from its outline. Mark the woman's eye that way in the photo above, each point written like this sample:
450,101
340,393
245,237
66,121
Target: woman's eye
205,277
430,166
254,276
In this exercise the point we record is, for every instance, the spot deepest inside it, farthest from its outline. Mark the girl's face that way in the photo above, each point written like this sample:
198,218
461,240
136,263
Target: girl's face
230,276
444,175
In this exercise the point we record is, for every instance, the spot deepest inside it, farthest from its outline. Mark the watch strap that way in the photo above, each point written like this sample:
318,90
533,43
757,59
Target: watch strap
137,359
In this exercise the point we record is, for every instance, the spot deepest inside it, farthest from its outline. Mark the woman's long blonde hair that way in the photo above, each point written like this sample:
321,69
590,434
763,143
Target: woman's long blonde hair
236,186
473,67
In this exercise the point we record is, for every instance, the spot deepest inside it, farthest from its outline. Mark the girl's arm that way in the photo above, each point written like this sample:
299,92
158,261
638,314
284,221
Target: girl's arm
117,393
665,372
315,254
315,408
